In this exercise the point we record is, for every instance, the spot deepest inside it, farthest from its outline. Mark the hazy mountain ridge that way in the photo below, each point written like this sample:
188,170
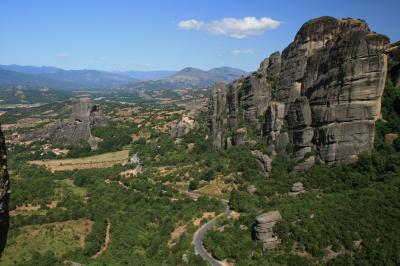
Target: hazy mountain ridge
146,75
193,77
12,78
11,75
59,78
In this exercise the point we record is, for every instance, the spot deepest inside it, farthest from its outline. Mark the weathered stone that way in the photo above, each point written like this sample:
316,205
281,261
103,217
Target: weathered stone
271,66
323,93
188,121
274,121
297,187
239,138
184,126
283,140
264,229
391,137
4,194
264,162
251,189
306,164
217,121
253,95
84,117
185,258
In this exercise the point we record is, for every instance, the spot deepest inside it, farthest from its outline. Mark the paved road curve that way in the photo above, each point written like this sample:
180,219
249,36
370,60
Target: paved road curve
199,236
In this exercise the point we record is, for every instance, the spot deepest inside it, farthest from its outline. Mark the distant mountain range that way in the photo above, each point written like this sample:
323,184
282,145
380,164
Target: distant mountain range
146,75
192,77
57,78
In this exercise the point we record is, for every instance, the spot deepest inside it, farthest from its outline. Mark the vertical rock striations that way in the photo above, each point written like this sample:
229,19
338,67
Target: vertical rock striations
217,120
4,194
85,116
322,95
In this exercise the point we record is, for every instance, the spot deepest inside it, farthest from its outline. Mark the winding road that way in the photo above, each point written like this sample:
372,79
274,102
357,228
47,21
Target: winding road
199,237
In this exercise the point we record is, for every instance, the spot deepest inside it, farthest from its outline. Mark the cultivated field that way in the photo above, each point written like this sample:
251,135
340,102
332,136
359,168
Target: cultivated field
104,160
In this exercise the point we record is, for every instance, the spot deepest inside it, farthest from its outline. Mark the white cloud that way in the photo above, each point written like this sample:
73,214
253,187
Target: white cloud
243,51
233,27
191,24
61,55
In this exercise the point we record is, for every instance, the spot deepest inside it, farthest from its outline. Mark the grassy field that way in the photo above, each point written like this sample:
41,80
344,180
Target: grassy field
60,238
217,188
69,184
104,160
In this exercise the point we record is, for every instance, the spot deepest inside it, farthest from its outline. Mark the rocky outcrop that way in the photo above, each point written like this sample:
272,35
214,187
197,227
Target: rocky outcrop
189,119
264,162
321,96
263,230
84,117
297,187
305,163
217,119
4,194
185,125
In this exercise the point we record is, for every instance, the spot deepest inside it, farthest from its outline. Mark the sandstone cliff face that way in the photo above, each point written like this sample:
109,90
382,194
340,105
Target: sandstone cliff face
217,120
322,95
4,194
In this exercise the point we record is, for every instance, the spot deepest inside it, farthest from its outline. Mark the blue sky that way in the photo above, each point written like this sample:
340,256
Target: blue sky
167,35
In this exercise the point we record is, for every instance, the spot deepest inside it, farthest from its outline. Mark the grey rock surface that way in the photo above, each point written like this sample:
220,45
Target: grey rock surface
217,120
321,95
297,187
306,164
251,189
189,119
264,162
85,116
263,229
4,194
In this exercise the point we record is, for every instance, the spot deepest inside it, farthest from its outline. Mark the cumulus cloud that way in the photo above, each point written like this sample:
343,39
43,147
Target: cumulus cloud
61,55
243,51
191,24
234,27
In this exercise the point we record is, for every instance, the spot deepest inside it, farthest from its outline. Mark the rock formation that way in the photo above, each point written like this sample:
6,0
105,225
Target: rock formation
263,229
84,117
297,187
185,125
320,97
189,119
264,162
4,194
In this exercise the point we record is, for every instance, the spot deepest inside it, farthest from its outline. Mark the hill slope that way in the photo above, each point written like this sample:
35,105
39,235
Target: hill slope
192,77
